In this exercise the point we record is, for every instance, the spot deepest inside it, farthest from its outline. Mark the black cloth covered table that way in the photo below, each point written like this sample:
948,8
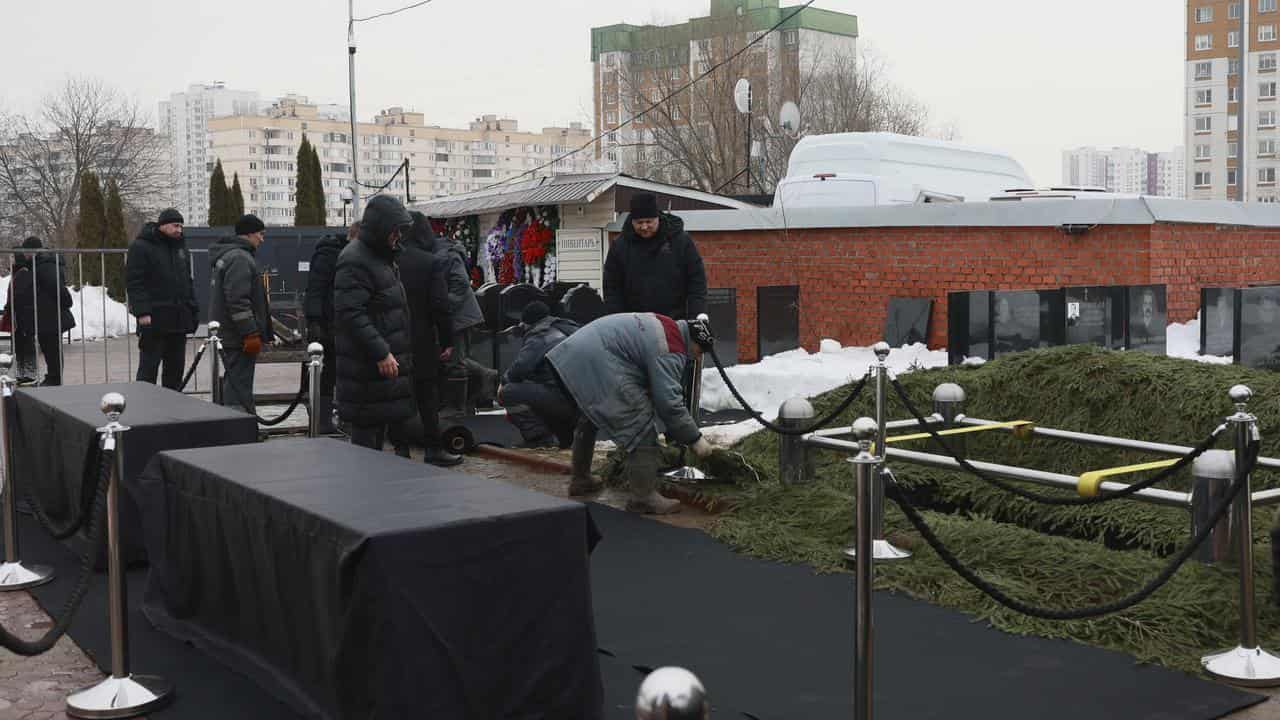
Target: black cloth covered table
55,436
357,584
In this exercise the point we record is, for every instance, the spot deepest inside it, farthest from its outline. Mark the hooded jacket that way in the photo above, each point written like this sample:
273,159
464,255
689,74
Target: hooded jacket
159,281
464,309
538,340
41,297
319,303
371,316
663,274
422,272
625,373
237,297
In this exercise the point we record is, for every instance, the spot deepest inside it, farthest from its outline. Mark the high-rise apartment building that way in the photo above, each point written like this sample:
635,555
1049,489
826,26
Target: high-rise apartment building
184,119
1224,45
262,149
634,65
1126,170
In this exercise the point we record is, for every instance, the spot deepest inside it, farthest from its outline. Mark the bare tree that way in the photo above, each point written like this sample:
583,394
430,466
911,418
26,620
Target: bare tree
84,126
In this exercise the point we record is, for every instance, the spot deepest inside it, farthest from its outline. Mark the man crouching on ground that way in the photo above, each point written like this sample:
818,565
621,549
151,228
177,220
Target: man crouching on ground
623,372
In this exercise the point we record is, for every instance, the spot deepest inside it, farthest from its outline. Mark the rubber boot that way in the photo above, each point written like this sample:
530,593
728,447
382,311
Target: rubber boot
440,457
584,447
642,478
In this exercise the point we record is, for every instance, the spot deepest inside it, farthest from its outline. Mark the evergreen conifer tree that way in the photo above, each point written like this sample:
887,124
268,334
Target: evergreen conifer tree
218,204
303,208
237,197
317,188
91,226
117,238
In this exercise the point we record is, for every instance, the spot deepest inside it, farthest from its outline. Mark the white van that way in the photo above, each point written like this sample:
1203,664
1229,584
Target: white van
852,169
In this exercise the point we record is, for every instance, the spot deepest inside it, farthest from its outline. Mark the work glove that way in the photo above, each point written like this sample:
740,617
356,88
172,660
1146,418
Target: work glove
252,344
700,331
701,447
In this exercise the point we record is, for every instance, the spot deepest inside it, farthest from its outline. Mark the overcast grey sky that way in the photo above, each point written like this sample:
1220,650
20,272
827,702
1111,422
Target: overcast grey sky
1031,77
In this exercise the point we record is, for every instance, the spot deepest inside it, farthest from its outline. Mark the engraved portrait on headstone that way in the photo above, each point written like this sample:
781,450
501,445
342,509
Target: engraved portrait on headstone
1095,316
1217,321
1147,319
1258,343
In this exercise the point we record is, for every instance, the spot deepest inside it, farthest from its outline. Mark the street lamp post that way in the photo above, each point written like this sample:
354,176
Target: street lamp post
351,75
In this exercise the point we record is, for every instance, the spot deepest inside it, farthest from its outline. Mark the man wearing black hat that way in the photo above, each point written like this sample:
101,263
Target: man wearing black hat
533,401
162,297
654,266
238,301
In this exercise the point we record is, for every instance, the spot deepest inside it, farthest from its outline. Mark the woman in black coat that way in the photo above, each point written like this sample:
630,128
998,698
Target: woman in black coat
41,308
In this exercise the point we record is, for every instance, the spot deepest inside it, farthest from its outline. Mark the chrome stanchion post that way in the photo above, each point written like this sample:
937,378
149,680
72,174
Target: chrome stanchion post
1211,476
314,367
866,476
689,473
123,694
13,574
795,462
1246,664
215,362
884,550
672,693
948,404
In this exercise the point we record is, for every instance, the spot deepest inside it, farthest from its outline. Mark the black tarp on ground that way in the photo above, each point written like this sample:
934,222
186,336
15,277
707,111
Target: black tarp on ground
359,584
54,429
775,642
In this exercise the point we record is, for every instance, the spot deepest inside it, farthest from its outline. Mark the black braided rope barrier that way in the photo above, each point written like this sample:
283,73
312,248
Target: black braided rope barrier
191,371
63,532
1164,474
302,392
894,492
755,415
42,644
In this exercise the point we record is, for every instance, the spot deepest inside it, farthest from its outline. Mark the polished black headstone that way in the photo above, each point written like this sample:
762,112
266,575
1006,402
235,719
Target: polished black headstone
1027,319
582,304
722,308
1095,316
481,344
490,305
555,296
513,299
1258,336
1148,319
506,345
968,326
777,318
907,321
1217,321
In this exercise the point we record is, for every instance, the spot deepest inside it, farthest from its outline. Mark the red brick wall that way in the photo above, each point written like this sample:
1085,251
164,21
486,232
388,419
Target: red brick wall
848,275
1189,257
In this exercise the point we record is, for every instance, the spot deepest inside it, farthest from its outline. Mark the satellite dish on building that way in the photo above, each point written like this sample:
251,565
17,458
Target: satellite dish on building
742,95
789,118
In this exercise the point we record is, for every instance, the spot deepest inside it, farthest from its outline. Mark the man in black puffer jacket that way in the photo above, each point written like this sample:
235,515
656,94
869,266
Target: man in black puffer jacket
42,306
371,333
654,266
534,402
319,309
162,297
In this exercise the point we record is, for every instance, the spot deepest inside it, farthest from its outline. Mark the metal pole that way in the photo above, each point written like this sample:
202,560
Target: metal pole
1246,664
866,477
123,694
795,462
688,473
1242,106
13,575
215,361
351,78
106,344
316,366
884,550
35,312
84,354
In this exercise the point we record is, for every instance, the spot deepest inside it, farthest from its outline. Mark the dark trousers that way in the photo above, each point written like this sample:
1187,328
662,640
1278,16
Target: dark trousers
24,350
329,373
237,380
549,411
154,348
51,348
372,436
426,391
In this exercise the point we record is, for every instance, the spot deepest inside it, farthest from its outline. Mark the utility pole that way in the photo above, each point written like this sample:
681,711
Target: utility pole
351,76
1242,181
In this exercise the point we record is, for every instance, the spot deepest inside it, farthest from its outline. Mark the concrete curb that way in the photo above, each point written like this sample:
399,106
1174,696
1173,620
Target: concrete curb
533,461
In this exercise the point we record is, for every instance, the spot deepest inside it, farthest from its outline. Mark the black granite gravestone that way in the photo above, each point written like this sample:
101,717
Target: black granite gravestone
1147,319
1095,316
907,321
1217,321
722,308
1258,335
968,325
512,301
506,346
555,296
490,305
582,304
1026,319
481,348
777,319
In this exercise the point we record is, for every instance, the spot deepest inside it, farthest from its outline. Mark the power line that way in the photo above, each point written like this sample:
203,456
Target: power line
391,12
672,94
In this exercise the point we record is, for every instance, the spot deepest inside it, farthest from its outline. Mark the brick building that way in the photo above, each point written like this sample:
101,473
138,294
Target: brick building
849,262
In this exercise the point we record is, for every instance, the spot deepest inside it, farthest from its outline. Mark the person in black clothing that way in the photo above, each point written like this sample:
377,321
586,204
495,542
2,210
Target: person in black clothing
371,329
319,309
422,272
42,308
238,301
162,297
534,403
654,266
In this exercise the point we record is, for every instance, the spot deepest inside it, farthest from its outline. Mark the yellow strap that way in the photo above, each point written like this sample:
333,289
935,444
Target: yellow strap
1091,481
959,431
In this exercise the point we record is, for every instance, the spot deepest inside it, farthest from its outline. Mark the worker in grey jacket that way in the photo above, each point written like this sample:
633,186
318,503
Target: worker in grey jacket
624,373
238,301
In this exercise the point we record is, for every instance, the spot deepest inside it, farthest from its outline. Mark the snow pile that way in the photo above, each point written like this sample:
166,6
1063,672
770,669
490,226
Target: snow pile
1182,340
86,307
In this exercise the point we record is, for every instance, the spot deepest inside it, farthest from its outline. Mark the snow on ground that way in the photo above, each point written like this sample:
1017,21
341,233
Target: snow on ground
86,307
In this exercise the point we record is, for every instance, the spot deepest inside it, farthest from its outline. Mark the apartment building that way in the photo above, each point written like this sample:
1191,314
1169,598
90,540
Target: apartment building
263,148
633,65
1126,170
1225,46
184,119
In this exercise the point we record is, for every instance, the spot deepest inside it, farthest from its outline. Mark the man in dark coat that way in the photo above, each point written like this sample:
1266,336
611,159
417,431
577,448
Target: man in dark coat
42,308
319,309
238,301
422,272
162,297
371,332
654,266
534,403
